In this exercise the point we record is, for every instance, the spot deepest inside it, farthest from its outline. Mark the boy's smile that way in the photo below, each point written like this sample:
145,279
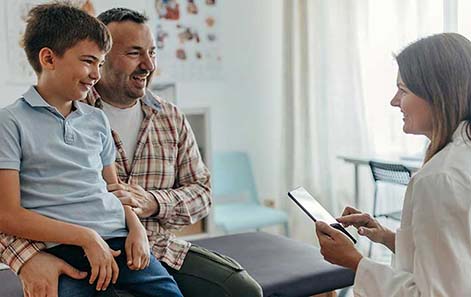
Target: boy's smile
71,76
79,69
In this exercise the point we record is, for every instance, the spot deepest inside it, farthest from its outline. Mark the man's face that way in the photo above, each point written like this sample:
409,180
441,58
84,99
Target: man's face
129,65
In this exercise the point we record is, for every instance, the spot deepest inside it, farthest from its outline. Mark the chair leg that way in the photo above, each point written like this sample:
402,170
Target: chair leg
375,202
286,227
370,249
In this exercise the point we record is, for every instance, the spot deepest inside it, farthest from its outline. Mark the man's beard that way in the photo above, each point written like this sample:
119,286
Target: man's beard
124,95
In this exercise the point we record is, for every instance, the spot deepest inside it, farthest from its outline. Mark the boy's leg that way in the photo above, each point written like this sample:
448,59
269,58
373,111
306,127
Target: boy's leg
208,274
152,281
68,286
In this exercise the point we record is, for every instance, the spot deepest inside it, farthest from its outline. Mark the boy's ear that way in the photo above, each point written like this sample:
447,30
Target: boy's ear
47,58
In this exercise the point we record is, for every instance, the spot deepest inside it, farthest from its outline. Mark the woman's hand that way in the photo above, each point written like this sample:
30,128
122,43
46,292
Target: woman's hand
137,248
368,226
336,247
102,262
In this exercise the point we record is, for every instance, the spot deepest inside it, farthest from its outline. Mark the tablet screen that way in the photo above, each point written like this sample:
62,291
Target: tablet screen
310,205
315,210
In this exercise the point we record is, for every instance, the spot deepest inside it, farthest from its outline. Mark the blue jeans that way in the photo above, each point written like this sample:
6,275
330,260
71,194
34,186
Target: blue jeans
149,282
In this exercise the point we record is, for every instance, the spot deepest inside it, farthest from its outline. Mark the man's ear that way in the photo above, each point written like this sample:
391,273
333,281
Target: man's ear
47,58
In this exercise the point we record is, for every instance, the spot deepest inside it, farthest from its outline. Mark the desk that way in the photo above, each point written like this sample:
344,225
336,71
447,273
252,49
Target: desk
357,161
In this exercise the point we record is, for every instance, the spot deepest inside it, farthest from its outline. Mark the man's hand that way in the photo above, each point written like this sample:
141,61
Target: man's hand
142,202
336,247
40,275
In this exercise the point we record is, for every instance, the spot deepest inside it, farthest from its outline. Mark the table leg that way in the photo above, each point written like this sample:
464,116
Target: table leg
357,185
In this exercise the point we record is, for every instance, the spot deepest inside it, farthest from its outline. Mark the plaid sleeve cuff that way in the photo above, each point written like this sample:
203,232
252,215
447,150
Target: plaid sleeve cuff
19,251
164,201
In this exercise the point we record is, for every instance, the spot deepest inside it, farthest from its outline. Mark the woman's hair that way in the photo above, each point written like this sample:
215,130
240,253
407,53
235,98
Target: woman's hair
438,69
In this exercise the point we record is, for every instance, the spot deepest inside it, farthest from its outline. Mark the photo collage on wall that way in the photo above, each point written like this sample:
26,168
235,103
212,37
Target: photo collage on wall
187,40
186,32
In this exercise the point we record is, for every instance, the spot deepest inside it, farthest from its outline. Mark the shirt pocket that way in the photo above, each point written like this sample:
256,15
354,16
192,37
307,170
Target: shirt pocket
163,165
405,249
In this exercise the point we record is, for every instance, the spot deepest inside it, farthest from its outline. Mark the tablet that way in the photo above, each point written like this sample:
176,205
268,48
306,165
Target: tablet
314,209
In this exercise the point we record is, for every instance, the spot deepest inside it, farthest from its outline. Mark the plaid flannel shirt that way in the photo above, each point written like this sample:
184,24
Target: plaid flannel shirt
167,164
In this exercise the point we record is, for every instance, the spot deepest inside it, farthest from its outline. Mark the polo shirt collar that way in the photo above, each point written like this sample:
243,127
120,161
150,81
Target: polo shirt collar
34,99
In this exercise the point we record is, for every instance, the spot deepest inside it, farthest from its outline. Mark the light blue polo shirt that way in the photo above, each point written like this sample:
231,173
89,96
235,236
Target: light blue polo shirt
60,162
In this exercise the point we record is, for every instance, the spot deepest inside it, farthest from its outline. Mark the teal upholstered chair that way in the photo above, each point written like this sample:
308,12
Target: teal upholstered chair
236,204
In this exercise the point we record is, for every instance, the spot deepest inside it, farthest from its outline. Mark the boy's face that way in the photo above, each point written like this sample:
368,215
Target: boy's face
129,64
75,73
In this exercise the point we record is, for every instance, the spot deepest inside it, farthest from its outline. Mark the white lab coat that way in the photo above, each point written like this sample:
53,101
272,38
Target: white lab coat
433,244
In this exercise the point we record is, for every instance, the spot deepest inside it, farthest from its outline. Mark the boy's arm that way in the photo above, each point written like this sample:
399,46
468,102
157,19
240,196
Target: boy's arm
18,221
137,244
111,177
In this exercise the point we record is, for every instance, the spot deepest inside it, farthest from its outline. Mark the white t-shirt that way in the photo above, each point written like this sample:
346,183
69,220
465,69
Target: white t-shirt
126,122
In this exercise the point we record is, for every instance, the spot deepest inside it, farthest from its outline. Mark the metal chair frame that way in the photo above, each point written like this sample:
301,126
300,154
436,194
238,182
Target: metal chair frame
387,173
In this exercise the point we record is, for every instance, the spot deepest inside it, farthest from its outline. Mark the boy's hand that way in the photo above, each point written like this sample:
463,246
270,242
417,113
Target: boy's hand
102,262
137,248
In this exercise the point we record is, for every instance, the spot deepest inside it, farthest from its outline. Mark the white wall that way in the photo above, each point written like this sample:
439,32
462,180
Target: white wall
246,103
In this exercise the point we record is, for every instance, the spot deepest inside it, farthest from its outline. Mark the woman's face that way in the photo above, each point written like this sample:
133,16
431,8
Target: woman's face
416,110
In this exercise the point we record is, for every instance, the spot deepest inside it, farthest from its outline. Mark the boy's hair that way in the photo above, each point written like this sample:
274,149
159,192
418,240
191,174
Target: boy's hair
121,14
60,26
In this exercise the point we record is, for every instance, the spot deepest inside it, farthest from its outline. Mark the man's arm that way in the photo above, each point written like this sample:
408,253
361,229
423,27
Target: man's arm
15,252
190,200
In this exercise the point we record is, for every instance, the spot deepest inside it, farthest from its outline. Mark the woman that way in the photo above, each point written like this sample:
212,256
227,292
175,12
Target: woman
433,245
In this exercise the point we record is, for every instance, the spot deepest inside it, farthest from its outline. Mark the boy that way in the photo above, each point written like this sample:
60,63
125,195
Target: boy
57,153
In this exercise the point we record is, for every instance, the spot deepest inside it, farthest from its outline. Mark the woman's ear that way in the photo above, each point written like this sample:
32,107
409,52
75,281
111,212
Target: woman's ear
47,58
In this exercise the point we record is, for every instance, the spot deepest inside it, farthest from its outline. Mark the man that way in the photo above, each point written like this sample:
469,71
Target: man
164,179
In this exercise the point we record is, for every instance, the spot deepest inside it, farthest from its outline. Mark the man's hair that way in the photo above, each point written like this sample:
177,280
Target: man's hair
438,69
60,26
121,14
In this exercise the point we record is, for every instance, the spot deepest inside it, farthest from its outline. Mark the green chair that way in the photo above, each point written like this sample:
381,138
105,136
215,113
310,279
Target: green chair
236,204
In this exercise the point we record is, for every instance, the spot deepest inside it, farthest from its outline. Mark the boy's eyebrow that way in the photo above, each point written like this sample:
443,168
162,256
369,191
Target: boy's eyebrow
92,57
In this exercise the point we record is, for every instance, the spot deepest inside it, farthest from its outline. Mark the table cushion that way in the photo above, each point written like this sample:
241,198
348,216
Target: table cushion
10,285
282,266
